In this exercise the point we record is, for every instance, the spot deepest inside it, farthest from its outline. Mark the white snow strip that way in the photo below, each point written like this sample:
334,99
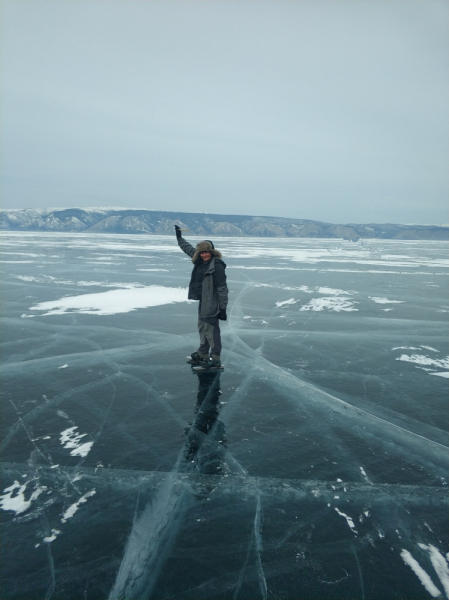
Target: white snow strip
301,288
70,439
63,366
385,300
444,374
387,309
429,348
266,268
405,348
419,359
362,470
420,573
336,304
74,507
334,292
26,278
349,521
284,302
13,498
52,537
114,301
439,564
82,450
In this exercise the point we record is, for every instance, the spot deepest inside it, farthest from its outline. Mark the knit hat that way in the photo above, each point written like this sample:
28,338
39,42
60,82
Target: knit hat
205,246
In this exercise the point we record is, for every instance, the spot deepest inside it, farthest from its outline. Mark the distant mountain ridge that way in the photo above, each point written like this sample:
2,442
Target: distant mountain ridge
141,221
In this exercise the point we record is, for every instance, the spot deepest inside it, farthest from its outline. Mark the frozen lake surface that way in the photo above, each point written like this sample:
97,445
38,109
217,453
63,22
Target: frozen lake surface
315,466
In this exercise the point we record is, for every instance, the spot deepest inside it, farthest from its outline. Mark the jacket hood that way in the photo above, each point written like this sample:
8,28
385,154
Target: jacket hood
205,246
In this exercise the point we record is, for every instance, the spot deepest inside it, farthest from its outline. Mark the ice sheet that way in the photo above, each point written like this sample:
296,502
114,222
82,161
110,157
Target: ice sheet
314,466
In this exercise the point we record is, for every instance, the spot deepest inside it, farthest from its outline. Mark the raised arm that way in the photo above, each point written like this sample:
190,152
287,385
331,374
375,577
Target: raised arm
185,246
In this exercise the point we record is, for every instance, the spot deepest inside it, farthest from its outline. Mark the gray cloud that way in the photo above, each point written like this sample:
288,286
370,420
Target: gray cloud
331,110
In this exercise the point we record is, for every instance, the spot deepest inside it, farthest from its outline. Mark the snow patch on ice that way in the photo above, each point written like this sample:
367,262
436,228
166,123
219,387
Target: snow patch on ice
439,564
378,300
74,507
13,497
333,291
349,521
420,359
70,439
336,304
114,301
405,348
26,278
362,471
52,537
266,268
420,573
285,302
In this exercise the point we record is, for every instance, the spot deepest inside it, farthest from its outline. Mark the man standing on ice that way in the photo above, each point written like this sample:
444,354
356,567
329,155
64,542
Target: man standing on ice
208,285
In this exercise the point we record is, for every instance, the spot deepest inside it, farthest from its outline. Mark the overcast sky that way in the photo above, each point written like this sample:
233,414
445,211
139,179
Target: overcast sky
335,110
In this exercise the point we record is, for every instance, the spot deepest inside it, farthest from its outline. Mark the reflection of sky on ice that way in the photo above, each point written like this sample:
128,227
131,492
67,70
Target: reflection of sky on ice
321,450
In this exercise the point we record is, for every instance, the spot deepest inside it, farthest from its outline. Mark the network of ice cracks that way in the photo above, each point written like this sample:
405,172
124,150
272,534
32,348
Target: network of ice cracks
156,525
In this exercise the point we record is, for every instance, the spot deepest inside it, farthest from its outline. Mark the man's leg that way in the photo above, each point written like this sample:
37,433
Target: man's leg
205,337
215,342
210,337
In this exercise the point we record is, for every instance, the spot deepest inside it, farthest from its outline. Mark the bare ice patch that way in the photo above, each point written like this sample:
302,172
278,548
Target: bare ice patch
114,301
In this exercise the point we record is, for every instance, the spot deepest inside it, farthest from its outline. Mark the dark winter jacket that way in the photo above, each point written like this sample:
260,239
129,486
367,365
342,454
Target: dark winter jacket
214,291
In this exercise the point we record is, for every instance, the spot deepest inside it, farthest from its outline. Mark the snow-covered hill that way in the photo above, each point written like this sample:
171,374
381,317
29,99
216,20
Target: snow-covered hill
141,221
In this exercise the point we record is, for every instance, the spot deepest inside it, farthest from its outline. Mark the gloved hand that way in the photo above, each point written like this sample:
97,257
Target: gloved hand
222,314
178,232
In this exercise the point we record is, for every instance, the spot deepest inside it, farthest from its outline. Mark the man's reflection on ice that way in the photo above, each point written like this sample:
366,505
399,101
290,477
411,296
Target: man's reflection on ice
204,449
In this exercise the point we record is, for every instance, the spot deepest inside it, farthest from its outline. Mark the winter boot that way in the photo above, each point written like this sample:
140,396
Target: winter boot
195,359
214,362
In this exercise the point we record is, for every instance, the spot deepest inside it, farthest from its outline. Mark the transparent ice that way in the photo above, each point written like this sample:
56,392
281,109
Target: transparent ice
315,466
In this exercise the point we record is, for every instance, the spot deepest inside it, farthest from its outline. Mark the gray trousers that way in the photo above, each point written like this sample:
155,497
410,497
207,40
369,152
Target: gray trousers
210,336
